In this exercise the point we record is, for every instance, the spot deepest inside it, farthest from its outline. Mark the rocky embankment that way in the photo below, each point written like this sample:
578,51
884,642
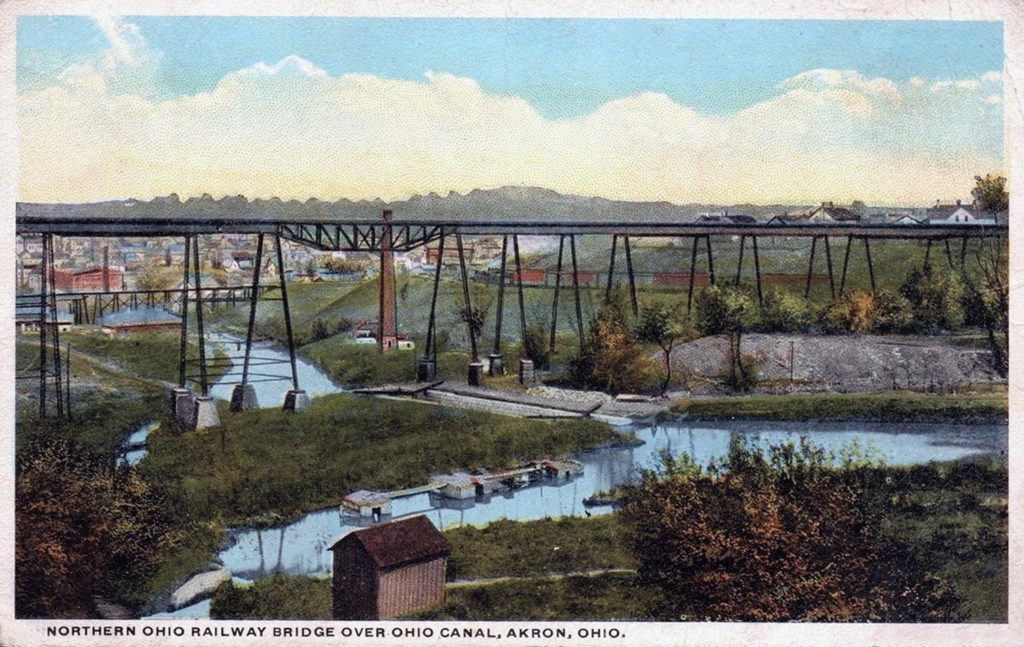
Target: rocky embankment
841,363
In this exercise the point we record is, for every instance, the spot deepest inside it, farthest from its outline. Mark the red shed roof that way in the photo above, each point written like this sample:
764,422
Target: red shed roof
400,542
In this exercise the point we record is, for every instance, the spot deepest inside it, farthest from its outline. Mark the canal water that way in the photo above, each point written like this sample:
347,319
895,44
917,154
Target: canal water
269,371
303,546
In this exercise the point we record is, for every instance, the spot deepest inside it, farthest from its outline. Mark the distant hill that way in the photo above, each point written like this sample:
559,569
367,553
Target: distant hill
505,203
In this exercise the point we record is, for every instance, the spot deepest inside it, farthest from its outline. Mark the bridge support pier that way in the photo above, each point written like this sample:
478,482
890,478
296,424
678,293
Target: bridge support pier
179,405
426,369
243,398
204,413
558,285
526,374
475,373
495,365
296,400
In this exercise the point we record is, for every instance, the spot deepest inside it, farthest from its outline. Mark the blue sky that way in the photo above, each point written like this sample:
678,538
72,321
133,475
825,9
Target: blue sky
683,110
564,68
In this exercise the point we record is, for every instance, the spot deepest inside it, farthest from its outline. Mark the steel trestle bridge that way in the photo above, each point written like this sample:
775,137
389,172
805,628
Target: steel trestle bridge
387,236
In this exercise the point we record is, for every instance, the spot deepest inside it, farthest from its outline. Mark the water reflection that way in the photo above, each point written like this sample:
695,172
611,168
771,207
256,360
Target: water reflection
302,547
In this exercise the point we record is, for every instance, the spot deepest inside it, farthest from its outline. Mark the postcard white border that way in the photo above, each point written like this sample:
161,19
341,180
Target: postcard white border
33,632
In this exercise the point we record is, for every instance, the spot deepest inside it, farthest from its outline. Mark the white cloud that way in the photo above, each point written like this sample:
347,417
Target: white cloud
292,130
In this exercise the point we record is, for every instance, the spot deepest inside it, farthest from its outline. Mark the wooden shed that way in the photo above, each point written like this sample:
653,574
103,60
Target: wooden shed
389,570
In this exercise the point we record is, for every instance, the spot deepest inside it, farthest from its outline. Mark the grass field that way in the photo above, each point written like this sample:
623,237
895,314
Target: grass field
989,405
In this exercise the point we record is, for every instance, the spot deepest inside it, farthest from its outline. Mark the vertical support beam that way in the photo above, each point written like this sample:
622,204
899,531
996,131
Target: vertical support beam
197,265
558,284
501,292
519,287
949,254
927,253
810,267
465,296
576,289
43,280
693,266
184,313
846,263
58,382
632,278
828,262
757,269
431,349
963,251
871,268
739,264
287,310
711,261
253,298
67,372
106,268
611,271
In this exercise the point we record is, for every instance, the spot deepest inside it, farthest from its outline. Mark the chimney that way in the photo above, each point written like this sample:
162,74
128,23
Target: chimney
387,324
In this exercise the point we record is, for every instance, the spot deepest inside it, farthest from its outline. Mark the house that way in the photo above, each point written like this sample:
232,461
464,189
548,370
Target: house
26,317
389,570
91,280
905,219
825,212
942,214
140,319
726,219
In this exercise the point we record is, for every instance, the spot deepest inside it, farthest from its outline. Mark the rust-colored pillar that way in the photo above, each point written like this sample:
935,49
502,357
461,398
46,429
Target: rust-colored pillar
387,325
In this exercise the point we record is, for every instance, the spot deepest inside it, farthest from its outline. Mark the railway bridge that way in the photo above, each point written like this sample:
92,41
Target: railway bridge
387,235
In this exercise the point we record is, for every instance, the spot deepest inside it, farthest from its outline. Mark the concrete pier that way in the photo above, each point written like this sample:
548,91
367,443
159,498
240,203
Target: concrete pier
204,413
526,374
475,373
243,398
179,405
426,370
295,401
496,366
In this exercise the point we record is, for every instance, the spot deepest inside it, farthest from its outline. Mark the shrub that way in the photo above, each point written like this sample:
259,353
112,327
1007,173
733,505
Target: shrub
936,299
784,312
535,345
891,313
852,312
774,536
609,360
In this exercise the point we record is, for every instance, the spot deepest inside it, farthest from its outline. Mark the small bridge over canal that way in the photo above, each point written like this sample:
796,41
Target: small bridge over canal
385,236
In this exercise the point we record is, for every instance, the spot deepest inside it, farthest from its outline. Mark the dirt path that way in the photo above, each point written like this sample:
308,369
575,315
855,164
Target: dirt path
542,576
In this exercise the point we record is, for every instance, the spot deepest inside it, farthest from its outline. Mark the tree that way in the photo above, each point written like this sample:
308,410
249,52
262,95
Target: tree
990,193
935,298
774,536
83,529
858,207
784,311
989,299
535,345
608,360
665,326
727,311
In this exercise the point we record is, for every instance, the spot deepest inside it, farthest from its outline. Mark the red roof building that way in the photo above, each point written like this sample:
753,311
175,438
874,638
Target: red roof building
389,570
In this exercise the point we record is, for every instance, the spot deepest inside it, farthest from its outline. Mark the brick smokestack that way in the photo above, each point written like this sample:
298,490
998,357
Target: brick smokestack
387,323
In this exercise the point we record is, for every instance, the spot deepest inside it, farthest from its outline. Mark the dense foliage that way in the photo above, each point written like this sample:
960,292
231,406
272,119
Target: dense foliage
280,596
775,536
665,326
609,361
83,528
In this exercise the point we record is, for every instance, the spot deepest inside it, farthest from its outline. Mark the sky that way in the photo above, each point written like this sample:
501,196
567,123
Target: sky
710,111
